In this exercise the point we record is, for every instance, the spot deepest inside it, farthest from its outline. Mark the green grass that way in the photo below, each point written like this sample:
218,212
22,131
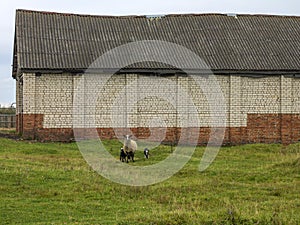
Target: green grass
50,183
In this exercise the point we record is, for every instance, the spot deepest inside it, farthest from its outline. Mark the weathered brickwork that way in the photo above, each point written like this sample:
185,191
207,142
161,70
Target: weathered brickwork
265,109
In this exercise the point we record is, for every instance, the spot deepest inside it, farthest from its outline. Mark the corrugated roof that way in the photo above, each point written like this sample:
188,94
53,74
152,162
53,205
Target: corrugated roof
56,41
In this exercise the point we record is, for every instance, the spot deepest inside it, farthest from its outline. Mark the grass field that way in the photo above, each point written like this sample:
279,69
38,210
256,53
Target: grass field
50,183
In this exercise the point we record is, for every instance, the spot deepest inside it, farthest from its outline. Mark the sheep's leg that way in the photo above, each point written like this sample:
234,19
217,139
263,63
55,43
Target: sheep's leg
127,157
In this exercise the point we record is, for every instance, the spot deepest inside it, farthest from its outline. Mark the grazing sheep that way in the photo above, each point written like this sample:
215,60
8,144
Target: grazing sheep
130,147
146,153
122,155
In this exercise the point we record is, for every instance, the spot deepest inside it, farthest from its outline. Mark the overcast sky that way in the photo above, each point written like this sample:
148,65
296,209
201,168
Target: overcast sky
121,7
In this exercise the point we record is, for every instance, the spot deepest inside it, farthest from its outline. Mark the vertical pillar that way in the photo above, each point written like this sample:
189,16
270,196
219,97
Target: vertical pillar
19,104
28,106
235,116
286,109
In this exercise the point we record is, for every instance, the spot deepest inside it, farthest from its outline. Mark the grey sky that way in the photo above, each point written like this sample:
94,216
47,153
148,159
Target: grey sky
121,7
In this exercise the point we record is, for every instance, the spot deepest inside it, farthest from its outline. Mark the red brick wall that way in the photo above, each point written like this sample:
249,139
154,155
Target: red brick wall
261,128
31,123
265,128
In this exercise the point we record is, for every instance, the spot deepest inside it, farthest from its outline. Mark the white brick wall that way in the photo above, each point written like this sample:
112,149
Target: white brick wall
295,95
19,96
286,95
237,116
261,95
151,97
54,99
29,94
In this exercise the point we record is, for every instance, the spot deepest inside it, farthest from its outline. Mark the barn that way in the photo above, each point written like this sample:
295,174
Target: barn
255,60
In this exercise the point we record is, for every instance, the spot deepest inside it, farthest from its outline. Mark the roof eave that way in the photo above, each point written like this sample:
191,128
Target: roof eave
160,71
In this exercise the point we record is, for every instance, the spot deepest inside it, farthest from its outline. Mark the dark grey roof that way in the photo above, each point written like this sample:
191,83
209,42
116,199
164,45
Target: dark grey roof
56,41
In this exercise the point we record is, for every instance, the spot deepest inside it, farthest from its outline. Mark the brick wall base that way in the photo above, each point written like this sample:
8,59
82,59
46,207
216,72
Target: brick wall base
261,128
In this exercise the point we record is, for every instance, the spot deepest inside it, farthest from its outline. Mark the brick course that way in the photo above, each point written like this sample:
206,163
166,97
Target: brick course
261,128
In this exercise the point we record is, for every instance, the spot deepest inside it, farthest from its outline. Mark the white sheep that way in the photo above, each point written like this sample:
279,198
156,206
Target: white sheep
129,147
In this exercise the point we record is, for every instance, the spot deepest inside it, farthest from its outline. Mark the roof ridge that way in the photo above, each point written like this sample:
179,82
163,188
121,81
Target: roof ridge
164,15
77,14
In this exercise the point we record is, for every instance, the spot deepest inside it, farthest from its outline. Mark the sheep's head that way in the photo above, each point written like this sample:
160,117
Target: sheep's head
127,139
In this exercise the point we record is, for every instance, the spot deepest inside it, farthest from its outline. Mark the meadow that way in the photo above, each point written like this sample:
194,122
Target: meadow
51,183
